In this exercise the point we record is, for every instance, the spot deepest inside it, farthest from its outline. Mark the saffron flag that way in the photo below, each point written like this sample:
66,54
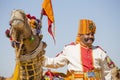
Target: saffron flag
48,11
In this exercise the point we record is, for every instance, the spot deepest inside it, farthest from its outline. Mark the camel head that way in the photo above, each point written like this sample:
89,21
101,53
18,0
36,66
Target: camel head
25,31
20,28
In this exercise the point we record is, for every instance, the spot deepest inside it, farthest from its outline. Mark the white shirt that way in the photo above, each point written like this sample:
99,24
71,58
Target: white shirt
70,56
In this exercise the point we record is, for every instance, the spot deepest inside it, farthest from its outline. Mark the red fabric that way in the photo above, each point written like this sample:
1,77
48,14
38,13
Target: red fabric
50,74
48,11
30,17
49,25
87,59
7,32
50,29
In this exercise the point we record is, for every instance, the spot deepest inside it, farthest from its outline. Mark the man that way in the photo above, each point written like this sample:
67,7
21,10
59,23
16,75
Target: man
84,61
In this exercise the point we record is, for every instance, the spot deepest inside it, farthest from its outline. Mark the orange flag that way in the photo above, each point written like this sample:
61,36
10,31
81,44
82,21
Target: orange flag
48,11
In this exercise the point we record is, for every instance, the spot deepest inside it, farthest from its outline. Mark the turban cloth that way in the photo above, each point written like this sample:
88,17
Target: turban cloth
85,27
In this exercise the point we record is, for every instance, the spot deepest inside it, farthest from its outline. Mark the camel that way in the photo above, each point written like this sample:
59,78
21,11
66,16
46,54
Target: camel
26,37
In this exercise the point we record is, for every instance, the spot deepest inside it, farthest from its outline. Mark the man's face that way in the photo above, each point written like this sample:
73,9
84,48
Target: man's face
87,39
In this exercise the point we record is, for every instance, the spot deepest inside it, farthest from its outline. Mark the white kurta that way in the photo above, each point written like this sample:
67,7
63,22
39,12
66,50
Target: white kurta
71,56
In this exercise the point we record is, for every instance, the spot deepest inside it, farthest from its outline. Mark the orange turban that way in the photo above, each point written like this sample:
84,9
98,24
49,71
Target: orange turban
85,26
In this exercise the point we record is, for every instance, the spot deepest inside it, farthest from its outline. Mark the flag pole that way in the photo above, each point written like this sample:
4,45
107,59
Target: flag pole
41,16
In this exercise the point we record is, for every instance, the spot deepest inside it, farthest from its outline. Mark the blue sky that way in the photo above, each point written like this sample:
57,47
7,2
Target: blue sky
67,13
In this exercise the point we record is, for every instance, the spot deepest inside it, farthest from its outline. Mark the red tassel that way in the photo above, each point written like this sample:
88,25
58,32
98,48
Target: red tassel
7,32
28,16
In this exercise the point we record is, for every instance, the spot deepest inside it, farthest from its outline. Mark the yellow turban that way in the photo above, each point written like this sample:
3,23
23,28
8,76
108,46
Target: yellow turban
85,26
